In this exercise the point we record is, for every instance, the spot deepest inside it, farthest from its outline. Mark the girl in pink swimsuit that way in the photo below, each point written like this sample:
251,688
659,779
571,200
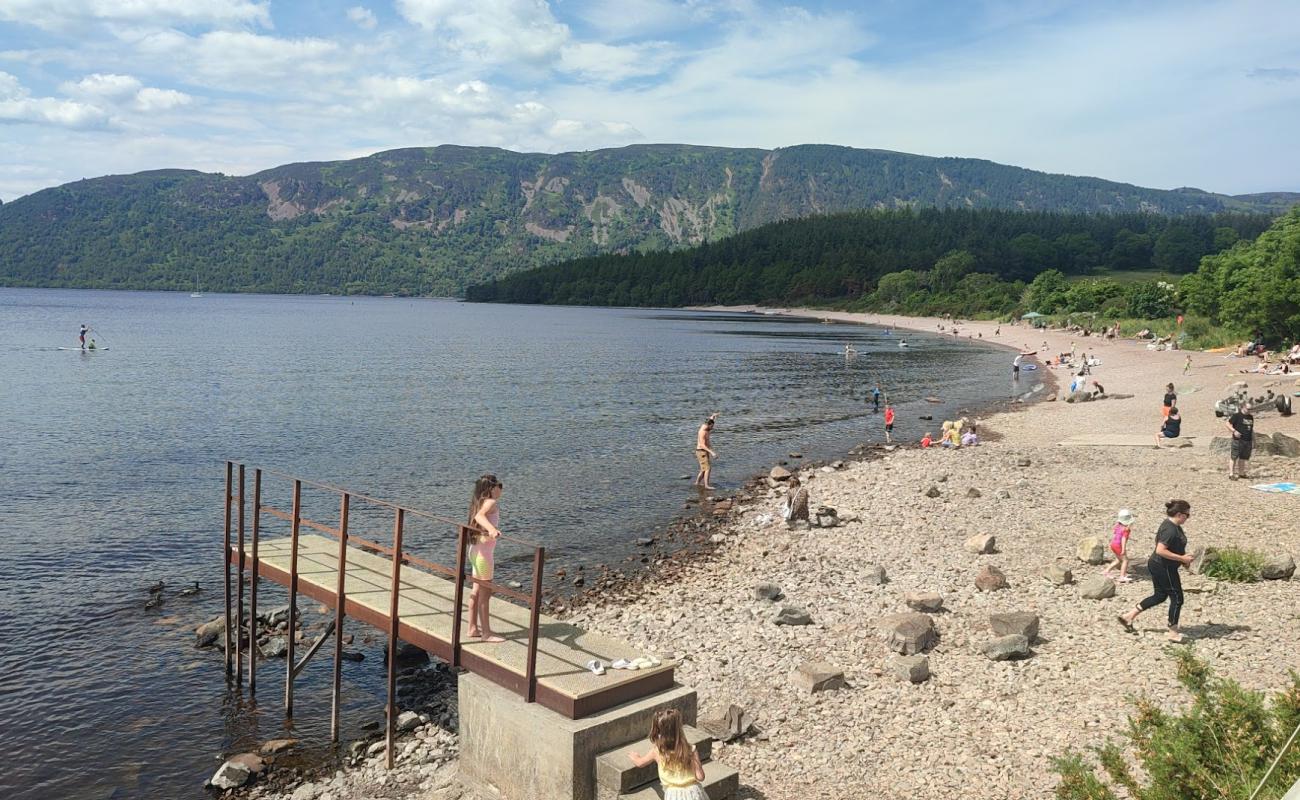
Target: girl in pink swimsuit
483,519
1119,544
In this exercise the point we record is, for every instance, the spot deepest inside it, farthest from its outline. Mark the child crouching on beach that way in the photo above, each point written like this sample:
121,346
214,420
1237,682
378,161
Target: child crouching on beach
680,771
1119,545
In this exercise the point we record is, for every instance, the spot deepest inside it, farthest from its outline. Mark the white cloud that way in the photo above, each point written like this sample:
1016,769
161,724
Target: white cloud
125,92
603,62
363,17
17,105
494,31
61,14
150,99
244,61
103,85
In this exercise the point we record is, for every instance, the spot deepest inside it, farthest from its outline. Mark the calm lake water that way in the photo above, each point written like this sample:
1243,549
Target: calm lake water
112,465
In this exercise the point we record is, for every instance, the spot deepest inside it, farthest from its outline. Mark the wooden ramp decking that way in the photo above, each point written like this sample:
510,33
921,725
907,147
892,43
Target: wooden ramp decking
425,609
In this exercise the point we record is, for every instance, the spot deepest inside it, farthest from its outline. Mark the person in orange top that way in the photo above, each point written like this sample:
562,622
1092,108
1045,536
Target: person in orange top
926,441
889,422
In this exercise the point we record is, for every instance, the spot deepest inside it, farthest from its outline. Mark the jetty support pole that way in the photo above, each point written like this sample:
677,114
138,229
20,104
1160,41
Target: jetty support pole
225,562
293,596
462,538
539,560
239,611
340,594
252,586
394,595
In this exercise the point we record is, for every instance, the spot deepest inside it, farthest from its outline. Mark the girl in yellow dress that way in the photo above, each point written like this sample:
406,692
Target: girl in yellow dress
680,771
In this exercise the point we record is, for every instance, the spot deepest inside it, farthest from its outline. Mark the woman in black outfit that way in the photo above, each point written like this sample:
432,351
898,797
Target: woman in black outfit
1169,555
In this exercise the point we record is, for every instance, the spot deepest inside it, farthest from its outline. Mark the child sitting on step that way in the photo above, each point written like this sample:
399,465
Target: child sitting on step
680,771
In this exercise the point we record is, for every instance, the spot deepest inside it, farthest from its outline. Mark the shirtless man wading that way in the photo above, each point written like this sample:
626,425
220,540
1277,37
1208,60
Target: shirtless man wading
704,453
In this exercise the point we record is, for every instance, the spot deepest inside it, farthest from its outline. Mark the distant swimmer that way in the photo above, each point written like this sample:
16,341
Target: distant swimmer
82,335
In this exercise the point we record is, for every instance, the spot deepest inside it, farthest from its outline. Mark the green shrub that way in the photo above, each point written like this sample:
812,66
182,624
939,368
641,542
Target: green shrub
1218,749
1236,564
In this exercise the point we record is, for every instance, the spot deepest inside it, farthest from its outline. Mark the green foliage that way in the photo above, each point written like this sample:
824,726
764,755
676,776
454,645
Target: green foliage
1236,564
1151,300
1255,286
1046,294
434,220
1219,748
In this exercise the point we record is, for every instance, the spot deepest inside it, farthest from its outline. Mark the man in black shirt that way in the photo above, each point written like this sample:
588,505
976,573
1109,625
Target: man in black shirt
1242,425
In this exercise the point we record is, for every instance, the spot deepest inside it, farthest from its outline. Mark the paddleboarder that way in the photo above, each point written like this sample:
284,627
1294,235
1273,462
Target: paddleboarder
82,336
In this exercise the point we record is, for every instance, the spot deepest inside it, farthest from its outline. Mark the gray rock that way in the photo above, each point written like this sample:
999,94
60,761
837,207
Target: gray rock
817,676
275,647
1023,462
981,543
717,538
408,721
1014,623
307,791
1097,587
779,474
1059,574
1091,550
791,615
908,633
1003,494
1221,445
767,591
990,579
1006,648
408,655
1279,568
275,616
729,724
1285,445
273,746
209,632
973,493
914,669
1080,397
874,575
933,491
644,541
230,775
923,601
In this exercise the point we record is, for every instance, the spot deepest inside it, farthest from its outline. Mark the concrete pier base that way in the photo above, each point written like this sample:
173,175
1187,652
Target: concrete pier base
512,750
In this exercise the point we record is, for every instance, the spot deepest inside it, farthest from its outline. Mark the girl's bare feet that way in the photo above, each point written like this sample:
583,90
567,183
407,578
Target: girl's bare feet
492,638
474,634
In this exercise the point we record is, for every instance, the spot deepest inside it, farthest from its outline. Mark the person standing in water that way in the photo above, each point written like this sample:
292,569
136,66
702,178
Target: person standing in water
875,399
889,422
82,335
1015,365
704,452
484,516
1169,555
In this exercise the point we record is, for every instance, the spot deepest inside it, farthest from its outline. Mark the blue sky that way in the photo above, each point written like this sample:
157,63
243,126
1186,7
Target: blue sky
1160,94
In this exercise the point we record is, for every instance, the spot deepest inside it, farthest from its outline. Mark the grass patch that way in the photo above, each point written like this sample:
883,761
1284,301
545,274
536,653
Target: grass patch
1236,564
1198,333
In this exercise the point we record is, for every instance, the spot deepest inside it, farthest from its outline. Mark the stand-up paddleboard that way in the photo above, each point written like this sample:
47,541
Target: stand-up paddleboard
85,349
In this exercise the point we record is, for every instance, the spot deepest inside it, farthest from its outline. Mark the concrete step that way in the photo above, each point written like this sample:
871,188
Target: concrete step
720,783
616,774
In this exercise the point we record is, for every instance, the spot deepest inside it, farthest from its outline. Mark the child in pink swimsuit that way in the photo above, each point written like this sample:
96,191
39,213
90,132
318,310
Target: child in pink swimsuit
1119,544
484,519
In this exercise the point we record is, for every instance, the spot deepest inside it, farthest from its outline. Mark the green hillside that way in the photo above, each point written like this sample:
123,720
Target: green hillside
435,220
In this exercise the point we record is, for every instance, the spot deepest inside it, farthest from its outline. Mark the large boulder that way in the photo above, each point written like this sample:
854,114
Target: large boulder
913,669
1278,568
1018,623
817,676
1058,573
727,724
779,474
1006,648
909,633
1091,550
274,647
1082,396
923,601
981,544
1221,445
1097,587
1285,445
231,775
209,632
990,579
792,615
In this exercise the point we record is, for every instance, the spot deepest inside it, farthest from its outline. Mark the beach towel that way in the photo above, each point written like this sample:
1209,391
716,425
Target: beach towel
1278,488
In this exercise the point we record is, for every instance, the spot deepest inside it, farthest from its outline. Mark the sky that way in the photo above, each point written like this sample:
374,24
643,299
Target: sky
1161,94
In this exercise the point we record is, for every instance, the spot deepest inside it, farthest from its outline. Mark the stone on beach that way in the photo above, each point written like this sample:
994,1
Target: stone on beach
933,491
908,633
981,543
1091,550
990,579
1022,623
767,591
275,647
207,634
817,676
1098,587
1278,568
779,474
407,721
1284,445
273,746
874,575
792,615
1058,573
728,724
923,601
913,669
1006,648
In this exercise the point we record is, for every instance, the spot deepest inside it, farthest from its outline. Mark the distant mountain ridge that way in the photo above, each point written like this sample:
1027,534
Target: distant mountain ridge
434,220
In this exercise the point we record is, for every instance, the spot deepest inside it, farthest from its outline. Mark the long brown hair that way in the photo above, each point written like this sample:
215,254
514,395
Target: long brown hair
668,737
483,488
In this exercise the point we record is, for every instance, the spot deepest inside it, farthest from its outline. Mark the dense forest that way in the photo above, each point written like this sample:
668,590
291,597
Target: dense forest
434,220
910,261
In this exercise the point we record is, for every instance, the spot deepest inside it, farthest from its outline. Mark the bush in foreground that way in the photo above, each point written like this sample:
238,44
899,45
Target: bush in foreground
1236,564
1218,749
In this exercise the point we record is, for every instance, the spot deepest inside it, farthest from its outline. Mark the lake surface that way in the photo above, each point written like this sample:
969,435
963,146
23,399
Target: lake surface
112,467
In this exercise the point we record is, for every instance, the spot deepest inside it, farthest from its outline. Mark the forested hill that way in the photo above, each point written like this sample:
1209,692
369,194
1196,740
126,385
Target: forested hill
434,220
918,262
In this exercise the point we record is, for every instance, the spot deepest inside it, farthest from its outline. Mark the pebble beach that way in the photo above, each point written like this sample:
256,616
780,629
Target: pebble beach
908,525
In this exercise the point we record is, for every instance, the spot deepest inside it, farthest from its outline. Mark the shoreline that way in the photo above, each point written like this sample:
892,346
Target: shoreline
976,727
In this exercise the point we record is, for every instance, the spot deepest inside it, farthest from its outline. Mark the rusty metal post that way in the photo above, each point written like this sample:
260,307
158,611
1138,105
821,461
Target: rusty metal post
225,561
239,611
461,537
340,594
293,596
252,587
539,561
392,636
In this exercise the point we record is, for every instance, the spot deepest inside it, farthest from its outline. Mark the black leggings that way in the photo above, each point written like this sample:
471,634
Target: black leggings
1167,585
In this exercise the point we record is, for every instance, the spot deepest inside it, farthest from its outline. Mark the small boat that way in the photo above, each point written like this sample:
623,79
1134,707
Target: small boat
195,294
902,344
